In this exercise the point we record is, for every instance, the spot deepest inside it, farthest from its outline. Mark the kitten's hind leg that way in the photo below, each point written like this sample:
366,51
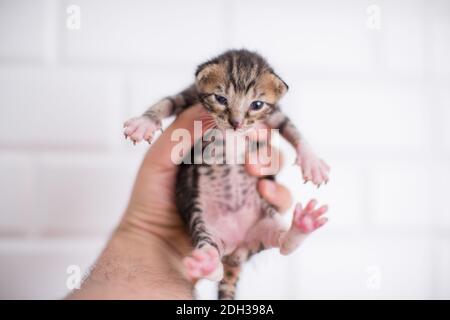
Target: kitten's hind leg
305,221
205,259
269,232
232,267
205,263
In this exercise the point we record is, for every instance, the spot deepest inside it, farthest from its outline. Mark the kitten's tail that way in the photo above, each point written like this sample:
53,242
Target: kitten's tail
227,286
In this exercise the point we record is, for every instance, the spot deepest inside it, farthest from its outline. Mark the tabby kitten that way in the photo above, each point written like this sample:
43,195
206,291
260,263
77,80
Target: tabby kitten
227,219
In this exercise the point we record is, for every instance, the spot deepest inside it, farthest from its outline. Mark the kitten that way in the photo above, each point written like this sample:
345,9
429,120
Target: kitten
227,219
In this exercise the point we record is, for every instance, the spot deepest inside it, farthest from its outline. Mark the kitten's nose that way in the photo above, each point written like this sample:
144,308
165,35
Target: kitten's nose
235,124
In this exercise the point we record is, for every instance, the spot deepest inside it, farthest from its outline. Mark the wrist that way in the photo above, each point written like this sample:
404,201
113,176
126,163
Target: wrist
136,265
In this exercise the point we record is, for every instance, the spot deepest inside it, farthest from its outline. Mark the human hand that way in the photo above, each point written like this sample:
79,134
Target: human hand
143,257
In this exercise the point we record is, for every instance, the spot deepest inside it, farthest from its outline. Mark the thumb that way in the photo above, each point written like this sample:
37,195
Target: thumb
188,127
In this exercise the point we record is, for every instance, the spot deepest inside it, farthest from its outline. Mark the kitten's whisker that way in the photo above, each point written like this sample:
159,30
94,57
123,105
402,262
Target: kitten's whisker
209,123
210,126
206,120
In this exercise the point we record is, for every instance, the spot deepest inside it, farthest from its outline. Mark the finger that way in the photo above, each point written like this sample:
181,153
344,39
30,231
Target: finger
267,161
275,194
178,136
260,132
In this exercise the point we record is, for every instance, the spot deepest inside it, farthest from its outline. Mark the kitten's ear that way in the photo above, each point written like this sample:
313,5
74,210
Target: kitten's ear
273,86
209,76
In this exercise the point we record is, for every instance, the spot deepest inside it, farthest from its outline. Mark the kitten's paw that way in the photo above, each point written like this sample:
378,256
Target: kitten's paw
141,128
304,222
204,263
313,168
309,219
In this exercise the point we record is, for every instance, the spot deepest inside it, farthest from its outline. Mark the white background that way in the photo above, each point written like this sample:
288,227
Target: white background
374,103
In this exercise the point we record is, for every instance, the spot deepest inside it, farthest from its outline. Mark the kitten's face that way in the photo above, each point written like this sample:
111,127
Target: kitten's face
239,89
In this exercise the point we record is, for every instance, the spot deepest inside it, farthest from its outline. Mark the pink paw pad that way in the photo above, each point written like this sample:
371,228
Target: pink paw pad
313,168
309,219
202,263
141,128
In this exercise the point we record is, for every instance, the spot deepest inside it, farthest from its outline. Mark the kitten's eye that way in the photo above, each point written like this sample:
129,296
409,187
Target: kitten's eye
221,100
256,105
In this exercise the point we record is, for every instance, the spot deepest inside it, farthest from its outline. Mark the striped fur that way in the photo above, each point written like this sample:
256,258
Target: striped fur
227,286
186,196
241,77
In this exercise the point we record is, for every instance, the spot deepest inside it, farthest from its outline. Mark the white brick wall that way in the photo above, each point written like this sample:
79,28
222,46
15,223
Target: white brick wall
58,108
26,30
402,196
348,183
17,192
375,104
442,277
439,30
322,34
367,113
403,34
443,211
92,197
379,267
131,31
38,269
444,100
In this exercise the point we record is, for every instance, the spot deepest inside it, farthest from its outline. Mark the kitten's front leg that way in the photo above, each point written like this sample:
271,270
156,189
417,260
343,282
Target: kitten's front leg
313,168
145,126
